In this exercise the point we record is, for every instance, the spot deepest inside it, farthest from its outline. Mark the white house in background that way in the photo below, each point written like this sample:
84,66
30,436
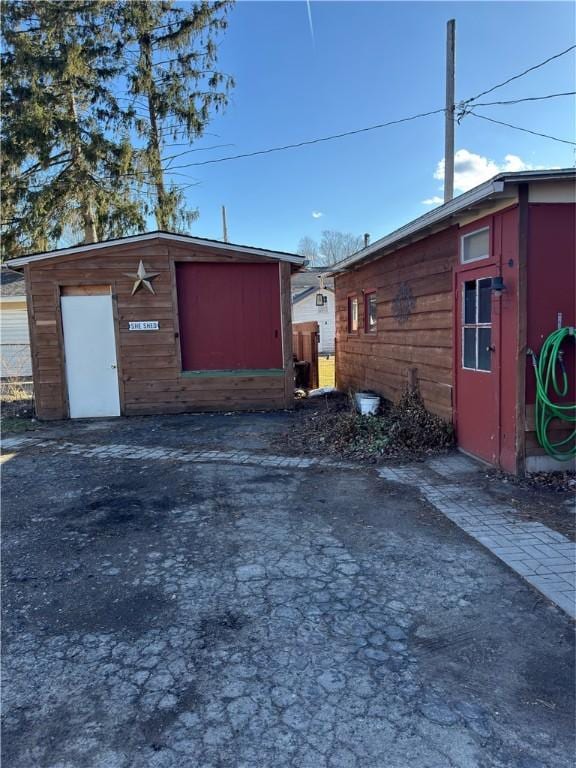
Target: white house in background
313,299
15,360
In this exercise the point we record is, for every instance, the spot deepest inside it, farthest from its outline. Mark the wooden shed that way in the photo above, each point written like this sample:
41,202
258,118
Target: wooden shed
456,300
159,323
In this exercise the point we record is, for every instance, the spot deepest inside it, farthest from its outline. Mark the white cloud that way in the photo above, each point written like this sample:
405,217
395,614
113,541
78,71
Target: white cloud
471,169
317,214
433,200
515,163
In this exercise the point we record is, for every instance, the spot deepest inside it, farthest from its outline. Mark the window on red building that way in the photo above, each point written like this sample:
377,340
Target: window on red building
352,314
370,312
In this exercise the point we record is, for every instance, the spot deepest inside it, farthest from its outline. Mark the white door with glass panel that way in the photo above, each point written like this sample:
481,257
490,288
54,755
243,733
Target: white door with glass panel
90,353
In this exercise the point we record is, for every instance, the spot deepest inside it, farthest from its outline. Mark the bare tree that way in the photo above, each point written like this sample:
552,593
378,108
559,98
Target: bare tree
308,248
334,246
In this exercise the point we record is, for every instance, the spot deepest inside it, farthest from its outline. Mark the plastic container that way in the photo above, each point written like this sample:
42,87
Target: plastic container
367,404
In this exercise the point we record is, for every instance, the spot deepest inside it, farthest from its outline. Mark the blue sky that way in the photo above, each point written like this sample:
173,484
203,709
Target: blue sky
366,63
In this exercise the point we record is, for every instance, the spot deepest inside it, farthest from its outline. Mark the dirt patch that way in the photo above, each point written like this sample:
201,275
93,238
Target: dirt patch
17,407
550,482
405,430
551,502
131,613
118,510
219,627
14,421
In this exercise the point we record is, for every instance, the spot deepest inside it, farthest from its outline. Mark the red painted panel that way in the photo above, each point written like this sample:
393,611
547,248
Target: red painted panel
486,401
477,390
508,258
551,281
229,315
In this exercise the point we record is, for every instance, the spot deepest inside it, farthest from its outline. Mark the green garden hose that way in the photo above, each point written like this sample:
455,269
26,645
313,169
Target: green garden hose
549,384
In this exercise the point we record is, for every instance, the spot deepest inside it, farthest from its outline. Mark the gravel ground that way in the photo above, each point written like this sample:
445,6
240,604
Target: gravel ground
161,614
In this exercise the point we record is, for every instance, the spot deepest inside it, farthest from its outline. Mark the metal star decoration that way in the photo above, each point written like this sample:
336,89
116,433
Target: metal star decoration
142,278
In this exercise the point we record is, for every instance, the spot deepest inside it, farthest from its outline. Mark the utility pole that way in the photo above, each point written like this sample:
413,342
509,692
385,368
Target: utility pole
450,111
224,225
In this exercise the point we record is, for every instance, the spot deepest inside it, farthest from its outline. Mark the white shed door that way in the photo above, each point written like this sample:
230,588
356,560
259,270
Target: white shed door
90,349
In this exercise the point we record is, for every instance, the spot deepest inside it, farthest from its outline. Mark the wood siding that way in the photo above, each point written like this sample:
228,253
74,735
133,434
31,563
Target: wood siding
149,365
422,339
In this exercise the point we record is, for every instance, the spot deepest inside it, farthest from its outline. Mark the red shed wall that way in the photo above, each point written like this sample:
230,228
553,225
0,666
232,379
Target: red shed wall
551,281
229,316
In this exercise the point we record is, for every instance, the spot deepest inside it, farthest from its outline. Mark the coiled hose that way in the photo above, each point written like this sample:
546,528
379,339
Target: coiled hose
550,384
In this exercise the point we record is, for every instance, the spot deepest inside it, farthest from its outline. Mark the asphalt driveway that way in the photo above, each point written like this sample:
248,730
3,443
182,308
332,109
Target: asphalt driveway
231,612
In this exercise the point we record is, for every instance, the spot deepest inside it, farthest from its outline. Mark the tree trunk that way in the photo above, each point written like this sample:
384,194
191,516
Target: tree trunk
86,211
154,155
90,235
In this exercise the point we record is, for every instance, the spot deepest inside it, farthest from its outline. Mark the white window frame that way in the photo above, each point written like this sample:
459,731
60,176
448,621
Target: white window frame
471,234
476,325
353,301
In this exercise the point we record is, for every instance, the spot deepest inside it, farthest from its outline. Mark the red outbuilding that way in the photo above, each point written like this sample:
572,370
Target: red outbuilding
457,300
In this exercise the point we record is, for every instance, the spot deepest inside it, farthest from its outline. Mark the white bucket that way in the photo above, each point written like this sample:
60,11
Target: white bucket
367,404
358,396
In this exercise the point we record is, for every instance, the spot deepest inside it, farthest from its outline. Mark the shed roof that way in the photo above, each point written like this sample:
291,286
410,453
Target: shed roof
172,236
500,187
12,284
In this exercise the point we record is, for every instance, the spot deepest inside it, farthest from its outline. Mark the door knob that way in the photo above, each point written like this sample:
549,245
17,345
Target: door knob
113,365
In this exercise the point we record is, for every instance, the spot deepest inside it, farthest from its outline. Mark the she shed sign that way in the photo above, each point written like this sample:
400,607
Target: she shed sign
143,325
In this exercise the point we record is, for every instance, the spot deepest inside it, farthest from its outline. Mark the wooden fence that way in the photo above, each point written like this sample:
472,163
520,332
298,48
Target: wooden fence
305,347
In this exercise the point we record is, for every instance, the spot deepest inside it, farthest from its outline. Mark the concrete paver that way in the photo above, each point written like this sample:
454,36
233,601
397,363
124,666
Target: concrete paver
541,556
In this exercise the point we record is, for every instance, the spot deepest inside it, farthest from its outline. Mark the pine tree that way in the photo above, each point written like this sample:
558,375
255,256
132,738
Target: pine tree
170,64
67,158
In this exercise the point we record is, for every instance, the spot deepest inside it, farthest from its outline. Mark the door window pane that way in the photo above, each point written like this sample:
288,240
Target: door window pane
469,351
476,246
470,301
485,300
484,353
477,319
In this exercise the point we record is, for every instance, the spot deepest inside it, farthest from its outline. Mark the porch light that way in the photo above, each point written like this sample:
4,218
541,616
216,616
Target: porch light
498,285
320,299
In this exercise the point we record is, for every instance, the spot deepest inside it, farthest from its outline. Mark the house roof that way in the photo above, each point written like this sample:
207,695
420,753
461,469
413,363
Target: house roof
12,284
500,187
172,236
310,278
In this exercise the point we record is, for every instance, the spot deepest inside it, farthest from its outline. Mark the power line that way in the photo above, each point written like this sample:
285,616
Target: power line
518,101
313,141
464,111
519,128
376,127
521,74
